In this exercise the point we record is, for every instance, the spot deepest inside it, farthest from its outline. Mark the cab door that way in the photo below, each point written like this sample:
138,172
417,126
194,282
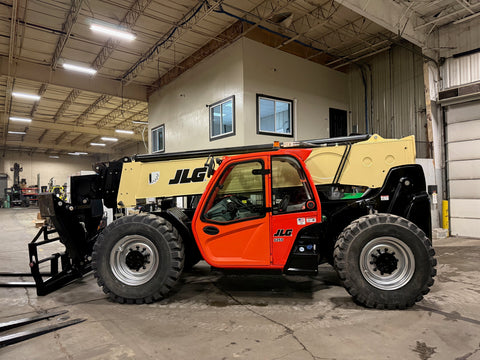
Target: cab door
231,224
295,205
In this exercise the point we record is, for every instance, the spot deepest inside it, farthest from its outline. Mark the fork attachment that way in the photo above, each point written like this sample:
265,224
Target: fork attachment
76,227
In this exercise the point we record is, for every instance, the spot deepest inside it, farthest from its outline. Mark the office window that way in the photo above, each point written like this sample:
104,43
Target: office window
158,139
274,116
222,118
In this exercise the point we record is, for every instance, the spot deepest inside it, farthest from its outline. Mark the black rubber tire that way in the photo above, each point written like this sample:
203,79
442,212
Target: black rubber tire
359,235
168,247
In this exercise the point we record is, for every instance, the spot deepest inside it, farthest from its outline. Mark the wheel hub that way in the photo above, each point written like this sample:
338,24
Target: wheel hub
137,259
387,263
384,261
134,260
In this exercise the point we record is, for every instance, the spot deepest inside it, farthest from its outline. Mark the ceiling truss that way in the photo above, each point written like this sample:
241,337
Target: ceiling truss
172,37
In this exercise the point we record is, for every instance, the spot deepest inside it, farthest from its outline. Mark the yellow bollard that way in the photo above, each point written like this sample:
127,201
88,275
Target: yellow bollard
445,224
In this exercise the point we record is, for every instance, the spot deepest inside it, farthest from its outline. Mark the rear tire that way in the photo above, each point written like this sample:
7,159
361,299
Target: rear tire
385,261
138,259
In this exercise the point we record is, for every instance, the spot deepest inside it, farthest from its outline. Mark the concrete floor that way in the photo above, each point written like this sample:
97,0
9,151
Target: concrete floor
211,316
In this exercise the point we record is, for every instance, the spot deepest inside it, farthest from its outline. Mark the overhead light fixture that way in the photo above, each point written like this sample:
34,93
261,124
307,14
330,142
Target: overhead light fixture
20,119
109,138
78,68
130,132
77,153
98,144
26,96
139,122
54,157
17,132
112,30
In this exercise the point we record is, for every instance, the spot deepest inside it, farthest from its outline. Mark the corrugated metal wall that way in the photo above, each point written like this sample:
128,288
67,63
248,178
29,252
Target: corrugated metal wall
460,71
395,96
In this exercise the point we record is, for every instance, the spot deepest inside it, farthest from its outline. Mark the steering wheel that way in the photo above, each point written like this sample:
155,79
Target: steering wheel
236,200
282,207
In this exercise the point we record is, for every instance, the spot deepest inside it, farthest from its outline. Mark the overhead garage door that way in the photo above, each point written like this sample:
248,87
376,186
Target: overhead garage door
463,156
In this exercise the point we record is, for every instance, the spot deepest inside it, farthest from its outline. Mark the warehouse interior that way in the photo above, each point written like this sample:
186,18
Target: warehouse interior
87,81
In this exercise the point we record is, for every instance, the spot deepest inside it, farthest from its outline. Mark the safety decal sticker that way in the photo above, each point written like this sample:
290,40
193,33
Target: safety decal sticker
153,177
384,197
300,221
311,220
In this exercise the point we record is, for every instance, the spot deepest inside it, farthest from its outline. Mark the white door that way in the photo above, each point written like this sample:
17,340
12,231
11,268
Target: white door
463,167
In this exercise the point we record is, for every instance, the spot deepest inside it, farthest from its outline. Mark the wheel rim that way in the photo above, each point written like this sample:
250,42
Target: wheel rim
387,263
134,260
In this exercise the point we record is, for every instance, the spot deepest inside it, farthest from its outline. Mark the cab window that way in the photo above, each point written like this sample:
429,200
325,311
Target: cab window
239,194
290,188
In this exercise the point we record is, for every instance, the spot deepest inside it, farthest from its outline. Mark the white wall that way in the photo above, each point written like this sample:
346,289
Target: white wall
313,87
245,69
182,104
34,164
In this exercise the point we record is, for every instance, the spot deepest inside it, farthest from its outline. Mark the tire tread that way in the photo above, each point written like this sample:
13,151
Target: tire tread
348,236
175,244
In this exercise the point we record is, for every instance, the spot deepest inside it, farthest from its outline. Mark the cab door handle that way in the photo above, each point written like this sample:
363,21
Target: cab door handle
211,230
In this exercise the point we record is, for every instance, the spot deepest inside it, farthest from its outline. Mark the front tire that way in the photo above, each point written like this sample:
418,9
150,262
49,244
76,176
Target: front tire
385,261
138,259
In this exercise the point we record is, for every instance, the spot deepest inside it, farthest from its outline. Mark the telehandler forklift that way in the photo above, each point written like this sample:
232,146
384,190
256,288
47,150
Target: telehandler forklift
357,202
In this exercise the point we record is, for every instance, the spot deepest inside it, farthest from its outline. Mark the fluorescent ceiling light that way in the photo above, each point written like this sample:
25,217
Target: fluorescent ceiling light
130,132
82,69
54,157
77,153
98,144
140,122
26,96
17,132
109,139
112,30
20,119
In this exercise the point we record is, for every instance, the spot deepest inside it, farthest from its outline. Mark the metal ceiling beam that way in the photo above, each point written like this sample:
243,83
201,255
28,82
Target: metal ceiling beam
65,34
80,130
191,18
349,61
229,35
388,14
76,139
66,31
41,91
59,138
9,68
240,28
58,147
102,100
117,113
95,84
127,123
43,135
128,22
66,103
446,16
466,5
310,21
